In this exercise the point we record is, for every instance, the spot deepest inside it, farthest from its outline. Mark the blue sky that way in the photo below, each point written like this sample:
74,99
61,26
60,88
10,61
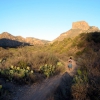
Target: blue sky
46,19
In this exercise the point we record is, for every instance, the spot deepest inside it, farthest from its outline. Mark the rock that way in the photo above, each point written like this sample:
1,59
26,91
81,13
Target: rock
80,25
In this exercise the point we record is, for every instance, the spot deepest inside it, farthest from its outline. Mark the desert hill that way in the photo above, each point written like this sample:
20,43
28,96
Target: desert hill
8,40
77,28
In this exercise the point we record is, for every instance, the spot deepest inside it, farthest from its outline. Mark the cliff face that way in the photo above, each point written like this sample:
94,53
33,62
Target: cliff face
80,25
77,28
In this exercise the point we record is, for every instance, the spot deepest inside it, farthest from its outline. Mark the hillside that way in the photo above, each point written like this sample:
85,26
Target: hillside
37,69
77,28
28,66
8,40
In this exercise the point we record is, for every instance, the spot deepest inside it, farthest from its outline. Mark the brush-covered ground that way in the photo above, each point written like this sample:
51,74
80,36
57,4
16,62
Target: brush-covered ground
40,72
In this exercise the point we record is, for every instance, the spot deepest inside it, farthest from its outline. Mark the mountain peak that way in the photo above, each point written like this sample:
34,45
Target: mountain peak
80,25
77,28
5,34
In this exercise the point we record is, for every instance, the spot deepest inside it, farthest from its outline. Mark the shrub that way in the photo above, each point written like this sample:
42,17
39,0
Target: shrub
40,59
94,36
50,70
86,83
47,70
78,53
22,64
17,74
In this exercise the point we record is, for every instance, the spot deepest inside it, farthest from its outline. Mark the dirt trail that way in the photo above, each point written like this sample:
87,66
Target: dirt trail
47,88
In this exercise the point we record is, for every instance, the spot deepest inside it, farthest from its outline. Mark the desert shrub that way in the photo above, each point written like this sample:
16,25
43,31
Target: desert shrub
82,35
42,58
3,53
94,36
79,88
86,83
79,92
22,64
81,77
47,70
81,44
50,70
82,51
60,46
75,41
59,68
23,58
78,53
14,73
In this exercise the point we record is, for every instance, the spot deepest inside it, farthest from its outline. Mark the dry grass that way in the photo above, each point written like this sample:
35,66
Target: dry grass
27,57
90,89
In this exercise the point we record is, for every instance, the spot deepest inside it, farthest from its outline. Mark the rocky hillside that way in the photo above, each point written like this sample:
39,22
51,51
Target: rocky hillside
34,41
77,28
8,40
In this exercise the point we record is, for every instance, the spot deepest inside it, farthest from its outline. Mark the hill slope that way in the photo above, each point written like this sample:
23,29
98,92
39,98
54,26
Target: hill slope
8,40
77,28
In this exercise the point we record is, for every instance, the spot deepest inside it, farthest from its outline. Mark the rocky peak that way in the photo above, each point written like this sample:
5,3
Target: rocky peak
80,25
7,35
77,28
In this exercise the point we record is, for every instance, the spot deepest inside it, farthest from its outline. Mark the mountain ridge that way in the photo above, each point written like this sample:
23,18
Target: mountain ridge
77,28
10,40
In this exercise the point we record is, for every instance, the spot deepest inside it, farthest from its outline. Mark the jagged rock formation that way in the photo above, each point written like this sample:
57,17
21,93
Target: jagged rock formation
8,40
7,35
77,28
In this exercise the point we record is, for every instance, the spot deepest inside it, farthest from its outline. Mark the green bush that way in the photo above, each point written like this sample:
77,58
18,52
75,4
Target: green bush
16,73
48,70
81,77
78,53
94,36
86,82
22,64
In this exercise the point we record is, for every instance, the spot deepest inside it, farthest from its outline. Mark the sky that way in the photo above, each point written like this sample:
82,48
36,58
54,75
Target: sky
46,19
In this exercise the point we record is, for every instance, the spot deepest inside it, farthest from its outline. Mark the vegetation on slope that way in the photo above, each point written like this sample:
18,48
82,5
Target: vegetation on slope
26,66
86,83
30,64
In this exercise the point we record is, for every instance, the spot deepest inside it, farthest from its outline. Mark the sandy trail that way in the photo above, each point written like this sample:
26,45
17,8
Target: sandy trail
47,88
